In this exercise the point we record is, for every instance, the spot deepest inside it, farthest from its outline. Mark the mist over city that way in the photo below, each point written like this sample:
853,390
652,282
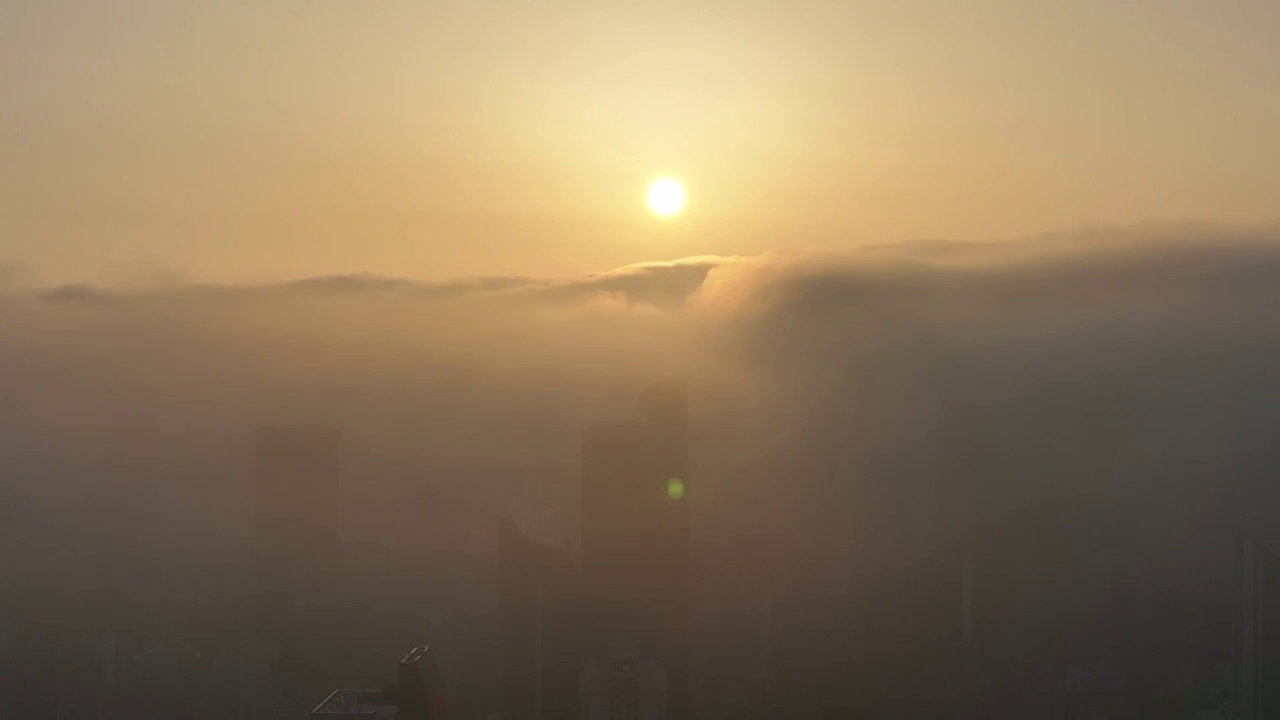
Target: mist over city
609,360
853,419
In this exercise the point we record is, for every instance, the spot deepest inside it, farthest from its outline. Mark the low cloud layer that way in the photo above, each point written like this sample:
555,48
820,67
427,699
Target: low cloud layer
835,395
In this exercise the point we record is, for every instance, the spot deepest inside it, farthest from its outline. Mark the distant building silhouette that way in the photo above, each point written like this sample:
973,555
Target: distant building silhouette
1258,639
636,536
624,686
291,687
539,635
1068,606
296,477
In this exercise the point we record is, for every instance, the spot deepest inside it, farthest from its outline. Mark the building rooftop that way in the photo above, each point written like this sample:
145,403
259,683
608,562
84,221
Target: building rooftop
349,704
414,655
539,523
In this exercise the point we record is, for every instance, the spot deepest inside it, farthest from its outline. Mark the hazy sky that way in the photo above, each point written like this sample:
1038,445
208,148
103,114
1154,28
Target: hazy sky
235,140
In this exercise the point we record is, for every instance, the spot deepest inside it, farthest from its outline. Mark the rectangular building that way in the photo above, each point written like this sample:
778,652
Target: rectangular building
636,535
296,480
540,630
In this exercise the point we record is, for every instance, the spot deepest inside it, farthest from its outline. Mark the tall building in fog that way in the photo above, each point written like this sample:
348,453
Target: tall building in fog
296,479
636,536
539,634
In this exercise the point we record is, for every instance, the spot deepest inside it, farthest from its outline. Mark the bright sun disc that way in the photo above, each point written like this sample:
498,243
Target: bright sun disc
666,196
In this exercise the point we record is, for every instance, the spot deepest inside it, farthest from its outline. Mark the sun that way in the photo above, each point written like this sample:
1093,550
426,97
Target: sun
665,196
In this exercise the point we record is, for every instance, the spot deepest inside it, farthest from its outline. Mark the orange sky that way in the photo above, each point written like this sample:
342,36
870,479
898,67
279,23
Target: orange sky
236,140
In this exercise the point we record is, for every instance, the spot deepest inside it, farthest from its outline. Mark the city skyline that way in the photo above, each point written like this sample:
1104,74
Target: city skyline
670,360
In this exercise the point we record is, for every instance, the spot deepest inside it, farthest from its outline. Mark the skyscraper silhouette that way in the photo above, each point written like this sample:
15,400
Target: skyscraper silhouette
539,628
296,478
636,535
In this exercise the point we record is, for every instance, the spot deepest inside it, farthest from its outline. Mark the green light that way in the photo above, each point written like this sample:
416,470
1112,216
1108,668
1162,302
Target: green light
675,488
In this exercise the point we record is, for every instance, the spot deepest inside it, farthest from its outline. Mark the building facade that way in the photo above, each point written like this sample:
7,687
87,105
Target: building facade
296,477
540,634
624,686
636,537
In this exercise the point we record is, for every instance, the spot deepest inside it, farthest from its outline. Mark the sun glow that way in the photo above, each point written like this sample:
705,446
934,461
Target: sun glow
665,196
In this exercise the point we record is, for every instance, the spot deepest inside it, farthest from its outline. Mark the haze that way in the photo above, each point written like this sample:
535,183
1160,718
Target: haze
978,307
235,140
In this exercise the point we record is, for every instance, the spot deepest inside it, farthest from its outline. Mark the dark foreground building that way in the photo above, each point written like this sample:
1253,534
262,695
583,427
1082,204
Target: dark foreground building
417,694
